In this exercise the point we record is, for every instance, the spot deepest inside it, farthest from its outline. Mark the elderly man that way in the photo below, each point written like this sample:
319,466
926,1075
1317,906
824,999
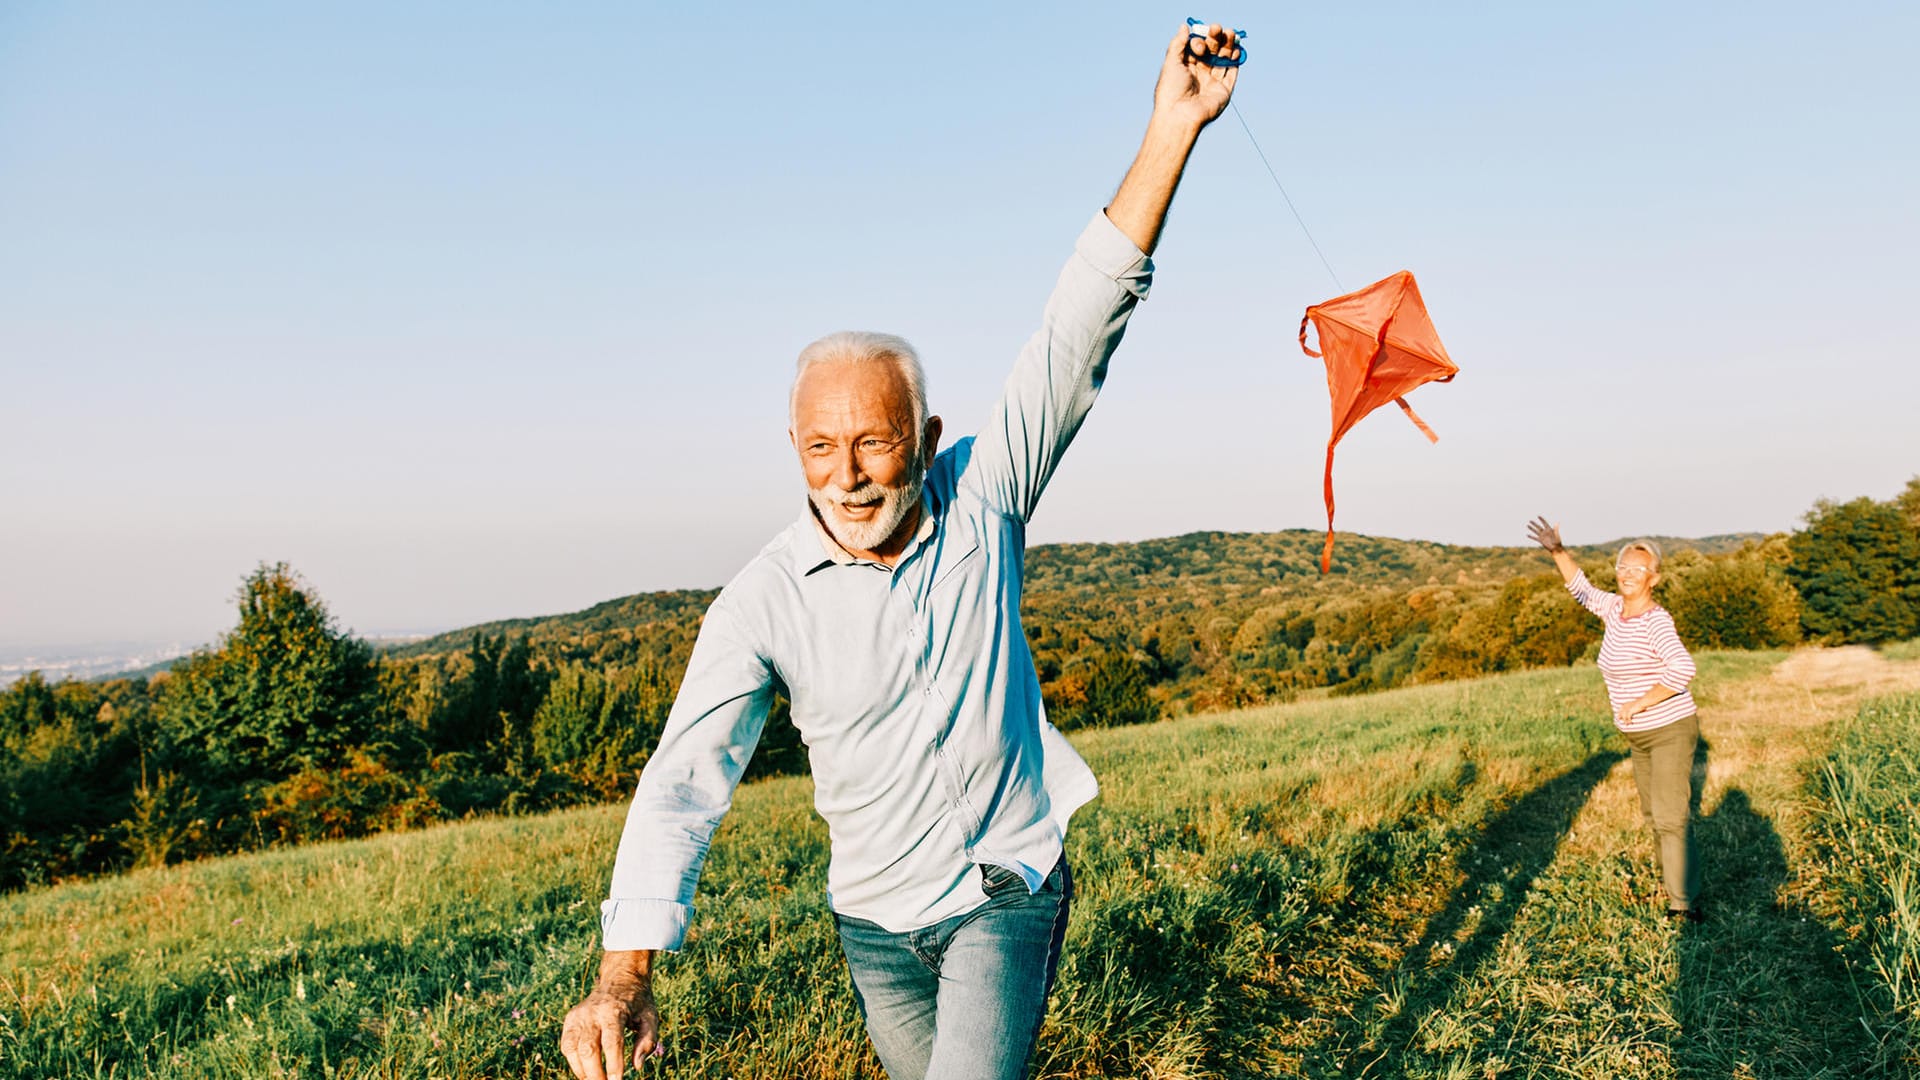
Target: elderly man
890,612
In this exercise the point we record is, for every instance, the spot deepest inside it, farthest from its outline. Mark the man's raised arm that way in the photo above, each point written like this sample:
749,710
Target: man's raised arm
1190,94
1062,367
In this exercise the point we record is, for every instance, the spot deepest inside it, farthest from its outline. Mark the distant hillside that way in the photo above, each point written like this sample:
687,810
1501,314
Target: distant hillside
1207,569
637,612
533,713
1208,620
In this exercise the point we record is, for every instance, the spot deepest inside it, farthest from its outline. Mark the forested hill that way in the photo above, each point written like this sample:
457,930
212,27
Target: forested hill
1203,569
1288,562
289,728
640,611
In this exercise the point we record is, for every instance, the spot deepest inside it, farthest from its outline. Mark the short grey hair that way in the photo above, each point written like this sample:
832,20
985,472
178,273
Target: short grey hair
867,347
1652,549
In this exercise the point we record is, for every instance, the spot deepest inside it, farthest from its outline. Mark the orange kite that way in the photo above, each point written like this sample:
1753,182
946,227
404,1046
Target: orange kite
1379,344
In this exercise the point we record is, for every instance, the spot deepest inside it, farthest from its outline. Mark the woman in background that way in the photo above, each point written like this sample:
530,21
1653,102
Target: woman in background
1647,670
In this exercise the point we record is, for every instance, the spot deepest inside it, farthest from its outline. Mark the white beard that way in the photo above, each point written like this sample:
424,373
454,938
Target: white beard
895,504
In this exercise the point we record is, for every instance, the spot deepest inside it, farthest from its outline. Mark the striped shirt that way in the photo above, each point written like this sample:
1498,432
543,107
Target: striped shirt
1637,654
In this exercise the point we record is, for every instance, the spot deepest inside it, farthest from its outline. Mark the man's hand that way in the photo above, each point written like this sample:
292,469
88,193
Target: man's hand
1191,89
594,1035
1190,93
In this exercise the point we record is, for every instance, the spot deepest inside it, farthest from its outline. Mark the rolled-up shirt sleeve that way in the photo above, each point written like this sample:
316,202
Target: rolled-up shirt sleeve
1597,600
1677,663
687,787
1060,369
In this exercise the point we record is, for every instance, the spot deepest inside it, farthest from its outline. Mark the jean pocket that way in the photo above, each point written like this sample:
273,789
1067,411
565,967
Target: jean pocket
998,879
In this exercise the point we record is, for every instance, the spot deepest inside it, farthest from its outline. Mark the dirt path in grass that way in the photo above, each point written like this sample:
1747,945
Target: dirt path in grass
1757,991
1562,964
1759,733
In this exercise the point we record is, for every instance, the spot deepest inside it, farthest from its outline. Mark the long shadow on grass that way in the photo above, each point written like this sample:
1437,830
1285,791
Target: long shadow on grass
1500,868
1762,992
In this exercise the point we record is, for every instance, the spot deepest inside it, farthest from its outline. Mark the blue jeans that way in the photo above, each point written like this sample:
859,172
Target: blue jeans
965,996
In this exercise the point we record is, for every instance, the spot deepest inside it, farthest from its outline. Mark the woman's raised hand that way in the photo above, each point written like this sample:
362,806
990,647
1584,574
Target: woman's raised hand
1547,536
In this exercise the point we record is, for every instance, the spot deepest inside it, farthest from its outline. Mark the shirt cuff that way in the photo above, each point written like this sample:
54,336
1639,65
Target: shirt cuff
643,924
1108,250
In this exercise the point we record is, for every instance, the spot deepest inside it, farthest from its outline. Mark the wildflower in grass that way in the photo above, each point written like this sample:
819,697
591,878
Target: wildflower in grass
518,1013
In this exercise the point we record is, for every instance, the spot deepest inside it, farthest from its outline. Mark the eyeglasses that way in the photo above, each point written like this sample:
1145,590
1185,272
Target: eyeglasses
1632,571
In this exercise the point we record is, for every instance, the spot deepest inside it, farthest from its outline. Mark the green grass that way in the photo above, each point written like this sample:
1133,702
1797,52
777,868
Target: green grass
1443,881
1867,832
1902,650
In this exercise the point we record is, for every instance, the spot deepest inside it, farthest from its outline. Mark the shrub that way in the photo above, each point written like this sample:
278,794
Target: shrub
360,797
601,727
1738,601
164,820
1856,567
1110,692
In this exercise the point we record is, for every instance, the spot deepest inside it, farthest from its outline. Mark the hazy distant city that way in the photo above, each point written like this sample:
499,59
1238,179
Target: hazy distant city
85,661
56,662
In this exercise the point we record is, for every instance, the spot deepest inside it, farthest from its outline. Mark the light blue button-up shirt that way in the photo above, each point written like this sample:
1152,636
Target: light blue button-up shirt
912,686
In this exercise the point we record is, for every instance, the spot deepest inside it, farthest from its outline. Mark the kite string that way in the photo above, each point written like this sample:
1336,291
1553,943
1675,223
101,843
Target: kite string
1283,194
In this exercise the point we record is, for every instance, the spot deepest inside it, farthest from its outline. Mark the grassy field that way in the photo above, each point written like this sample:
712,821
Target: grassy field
1446,881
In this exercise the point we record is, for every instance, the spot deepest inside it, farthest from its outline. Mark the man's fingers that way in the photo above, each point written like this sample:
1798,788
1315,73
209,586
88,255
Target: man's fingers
582,1053
1200,39
1177,48
611,1050
646,1035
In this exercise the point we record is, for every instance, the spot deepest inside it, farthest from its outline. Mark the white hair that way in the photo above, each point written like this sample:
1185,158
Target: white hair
867,347
1652,549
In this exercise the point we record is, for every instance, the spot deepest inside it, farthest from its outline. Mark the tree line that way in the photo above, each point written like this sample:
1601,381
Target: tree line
289,729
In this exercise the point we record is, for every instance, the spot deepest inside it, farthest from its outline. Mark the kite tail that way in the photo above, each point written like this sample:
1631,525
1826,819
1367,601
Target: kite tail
1417,422
1326,553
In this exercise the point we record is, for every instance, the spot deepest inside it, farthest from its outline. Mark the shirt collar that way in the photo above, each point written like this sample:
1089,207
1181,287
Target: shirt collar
828,552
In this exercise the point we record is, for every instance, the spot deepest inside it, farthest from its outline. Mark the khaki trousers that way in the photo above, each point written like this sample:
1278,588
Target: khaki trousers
1663,771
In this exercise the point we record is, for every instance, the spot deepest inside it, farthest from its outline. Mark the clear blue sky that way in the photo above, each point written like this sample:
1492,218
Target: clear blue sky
471,311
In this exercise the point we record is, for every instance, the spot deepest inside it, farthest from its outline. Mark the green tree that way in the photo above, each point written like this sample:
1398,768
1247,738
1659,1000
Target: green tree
26,705
601,727
66,779
489,713
1857,568
1739,601
1112,691
1908,503
285,690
